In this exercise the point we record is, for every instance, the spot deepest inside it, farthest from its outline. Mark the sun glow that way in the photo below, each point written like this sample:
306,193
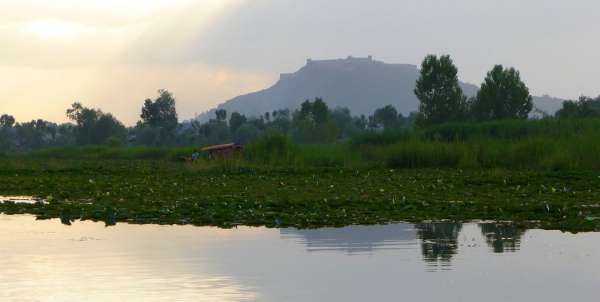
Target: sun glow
52,29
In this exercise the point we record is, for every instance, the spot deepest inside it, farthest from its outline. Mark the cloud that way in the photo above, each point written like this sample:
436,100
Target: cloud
113,53
68,52
547,39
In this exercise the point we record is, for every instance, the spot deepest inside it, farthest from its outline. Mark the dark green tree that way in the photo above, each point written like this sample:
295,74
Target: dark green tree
502,96
161,112
221,115
6,132
246,133
317,111
320,111
441,98
386,116
160,117
35,134
236,120
94,126
585,107
7,121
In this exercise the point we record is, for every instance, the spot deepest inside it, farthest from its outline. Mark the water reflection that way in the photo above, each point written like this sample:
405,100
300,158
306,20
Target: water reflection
439,241
354,239
47,261
21,199
502,237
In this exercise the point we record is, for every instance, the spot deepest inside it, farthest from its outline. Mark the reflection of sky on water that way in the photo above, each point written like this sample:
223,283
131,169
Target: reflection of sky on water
20,199
47,261
355,239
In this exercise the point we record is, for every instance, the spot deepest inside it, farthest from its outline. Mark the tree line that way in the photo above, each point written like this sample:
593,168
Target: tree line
314,122
502,95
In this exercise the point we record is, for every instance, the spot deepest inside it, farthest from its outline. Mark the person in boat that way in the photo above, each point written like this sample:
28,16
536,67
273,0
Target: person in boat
195,155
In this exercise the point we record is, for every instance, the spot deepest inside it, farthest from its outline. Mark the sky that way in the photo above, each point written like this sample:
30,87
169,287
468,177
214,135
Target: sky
113,54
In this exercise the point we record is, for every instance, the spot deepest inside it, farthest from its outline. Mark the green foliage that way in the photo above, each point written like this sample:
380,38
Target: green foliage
441,98
94,126
161,112
236,120
313,123
502,96
586,107
215,132
386,116
246,133
316,112
7,121
221,115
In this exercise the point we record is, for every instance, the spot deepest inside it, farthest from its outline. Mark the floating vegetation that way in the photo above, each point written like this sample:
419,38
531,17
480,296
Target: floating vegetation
163,192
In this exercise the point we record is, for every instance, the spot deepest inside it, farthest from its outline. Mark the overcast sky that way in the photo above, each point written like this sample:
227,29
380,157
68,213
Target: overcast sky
112,54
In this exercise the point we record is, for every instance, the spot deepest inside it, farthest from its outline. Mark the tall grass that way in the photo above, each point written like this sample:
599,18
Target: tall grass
542,144
537,144
109,153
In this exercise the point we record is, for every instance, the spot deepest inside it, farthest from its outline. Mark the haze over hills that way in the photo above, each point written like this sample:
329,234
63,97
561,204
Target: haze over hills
360,84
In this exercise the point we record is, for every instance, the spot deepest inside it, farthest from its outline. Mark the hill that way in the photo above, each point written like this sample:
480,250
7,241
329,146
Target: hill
360,84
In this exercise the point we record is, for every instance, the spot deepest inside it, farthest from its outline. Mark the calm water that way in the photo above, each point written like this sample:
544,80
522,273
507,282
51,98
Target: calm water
48,261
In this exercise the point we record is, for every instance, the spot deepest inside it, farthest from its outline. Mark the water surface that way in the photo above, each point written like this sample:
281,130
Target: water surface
49,261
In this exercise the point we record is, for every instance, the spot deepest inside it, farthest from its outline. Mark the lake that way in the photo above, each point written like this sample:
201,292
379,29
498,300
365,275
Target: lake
87,261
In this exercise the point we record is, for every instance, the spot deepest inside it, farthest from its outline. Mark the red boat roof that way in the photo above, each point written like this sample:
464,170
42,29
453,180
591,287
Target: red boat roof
219,147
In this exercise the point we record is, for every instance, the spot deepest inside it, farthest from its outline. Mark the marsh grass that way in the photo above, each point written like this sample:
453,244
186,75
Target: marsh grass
551,144
542,144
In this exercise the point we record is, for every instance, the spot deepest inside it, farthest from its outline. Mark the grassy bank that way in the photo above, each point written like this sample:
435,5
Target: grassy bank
167,192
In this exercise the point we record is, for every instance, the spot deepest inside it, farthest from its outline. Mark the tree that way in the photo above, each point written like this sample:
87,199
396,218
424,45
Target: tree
441,98
161,112
313,124
221,115
386,116
7,121
502,96
6,132
236,120
34,134
85,120
320,111
94,126
584,108
280,121
215,132
317,111
109,130
246,133
344,122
